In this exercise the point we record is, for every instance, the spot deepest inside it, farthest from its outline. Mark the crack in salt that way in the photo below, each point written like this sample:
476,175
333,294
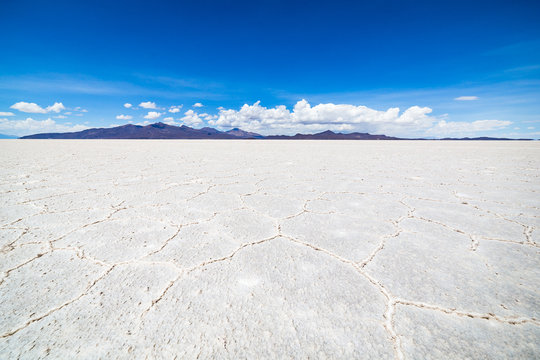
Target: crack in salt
201,265
42,316
515,320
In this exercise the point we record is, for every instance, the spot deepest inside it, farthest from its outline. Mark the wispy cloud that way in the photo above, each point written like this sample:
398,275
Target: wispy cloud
124,117
444,128
82,84
466,98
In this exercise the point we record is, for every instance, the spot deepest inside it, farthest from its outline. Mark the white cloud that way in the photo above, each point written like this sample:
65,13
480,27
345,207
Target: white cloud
148,105
208,117
170,121
198,105
57,107
175,109
28,107
124,117
336,117
152,115
466,98
127,105
36,109
31,126
144,123
191,118
60,117
459,128
3,113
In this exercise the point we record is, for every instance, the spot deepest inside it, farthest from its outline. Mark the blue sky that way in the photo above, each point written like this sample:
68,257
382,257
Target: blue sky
453,68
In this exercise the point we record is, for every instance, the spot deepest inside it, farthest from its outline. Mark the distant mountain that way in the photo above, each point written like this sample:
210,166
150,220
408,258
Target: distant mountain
483,138
163,131
244,134
330,135
4,136
153,131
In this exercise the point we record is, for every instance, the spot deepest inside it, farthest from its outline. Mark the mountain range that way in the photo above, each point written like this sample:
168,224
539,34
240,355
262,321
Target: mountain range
164,131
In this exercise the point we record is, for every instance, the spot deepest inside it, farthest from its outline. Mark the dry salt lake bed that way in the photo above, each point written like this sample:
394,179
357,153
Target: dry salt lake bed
269,249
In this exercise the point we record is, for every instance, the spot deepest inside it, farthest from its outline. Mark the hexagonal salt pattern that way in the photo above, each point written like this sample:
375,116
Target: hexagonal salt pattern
269,249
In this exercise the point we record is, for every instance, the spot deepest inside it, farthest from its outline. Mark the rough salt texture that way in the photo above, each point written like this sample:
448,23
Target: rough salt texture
269,249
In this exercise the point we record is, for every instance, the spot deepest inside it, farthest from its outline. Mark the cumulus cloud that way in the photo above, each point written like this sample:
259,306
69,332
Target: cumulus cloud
170,121
36,109
127,105
459,128
4,113
208,117
152,115
144,123
191,118
31,126
175,109
336,117
198,105
466,98
28,107
148,105
57,107
124,117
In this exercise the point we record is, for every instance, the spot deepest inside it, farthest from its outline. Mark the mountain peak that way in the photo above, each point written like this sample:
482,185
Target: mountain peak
327,132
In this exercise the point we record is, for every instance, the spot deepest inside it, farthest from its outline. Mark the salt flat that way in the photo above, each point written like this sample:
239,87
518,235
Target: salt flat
269,249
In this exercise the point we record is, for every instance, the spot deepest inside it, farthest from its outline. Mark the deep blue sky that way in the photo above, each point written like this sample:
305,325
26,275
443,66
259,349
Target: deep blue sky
99,55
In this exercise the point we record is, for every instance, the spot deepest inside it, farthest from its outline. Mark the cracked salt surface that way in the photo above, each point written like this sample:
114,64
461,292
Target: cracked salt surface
269,249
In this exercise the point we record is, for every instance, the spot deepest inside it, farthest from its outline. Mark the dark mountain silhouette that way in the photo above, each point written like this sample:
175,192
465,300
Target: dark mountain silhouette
163,131
482,138
153,131
244,134
330,135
